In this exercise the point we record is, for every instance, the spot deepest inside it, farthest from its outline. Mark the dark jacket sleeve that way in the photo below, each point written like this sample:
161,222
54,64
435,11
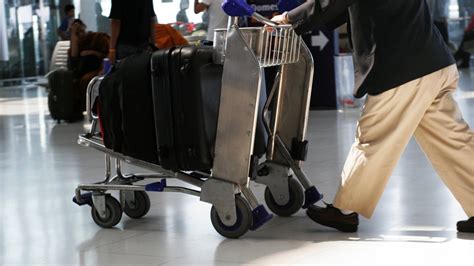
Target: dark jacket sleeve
116,10
316,13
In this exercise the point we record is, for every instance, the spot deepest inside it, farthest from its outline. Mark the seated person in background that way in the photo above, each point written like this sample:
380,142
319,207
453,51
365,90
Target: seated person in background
88,50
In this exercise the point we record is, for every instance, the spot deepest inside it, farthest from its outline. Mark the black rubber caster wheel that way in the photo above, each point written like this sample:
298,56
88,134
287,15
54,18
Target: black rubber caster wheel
242,224
113,213
140,207
295,201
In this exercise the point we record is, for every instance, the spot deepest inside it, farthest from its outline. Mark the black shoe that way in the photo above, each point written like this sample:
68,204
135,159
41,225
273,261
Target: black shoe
333,217
466,226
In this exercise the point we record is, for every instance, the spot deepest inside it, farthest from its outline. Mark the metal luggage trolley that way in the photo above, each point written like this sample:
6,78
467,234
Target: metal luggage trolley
245,52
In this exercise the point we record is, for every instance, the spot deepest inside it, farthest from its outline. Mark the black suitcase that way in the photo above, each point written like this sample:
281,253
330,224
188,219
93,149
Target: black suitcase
138,122
186,94
109,110
63,98
126,109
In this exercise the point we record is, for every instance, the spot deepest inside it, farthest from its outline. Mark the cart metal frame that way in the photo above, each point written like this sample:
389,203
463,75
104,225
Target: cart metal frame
245,52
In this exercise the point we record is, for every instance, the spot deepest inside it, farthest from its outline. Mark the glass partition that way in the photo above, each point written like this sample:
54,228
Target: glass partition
31,28
31,36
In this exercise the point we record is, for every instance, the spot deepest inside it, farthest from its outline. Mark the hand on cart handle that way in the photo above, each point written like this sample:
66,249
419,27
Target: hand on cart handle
284,6
281,19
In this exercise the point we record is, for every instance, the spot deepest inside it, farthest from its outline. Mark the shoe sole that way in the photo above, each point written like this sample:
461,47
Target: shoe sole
338,226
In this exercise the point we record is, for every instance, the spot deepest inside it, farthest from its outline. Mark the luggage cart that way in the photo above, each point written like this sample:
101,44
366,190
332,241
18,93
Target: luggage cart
245,53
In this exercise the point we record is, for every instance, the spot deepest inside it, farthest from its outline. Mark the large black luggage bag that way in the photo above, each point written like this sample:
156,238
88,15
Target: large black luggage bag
126,109
63,98
186,93
110,111
137,108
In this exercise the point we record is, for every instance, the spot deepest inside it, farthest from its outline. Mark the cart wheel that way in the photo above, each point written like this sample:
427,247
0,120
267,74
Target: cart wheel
294,204
241,226
113,213
140,207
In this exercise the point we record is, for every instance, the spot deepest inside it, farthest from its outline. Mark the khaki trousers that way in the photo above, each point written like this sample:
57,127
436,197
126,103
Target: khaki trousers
425,108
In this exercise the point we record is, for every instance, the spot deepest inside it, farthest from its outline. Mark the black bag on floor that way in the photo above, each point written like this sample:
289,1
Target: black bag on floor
63,98
186,94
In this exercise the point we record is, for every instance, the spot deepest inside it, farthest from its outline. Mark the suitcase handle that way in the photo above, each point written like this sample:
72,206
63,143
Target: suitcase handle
90,102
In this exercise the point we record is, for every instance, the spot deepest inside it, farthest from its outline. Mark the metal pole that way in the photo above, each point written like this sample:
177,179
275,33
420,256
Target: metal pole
4,51
189,179
108,168
42,29
293,165
250,197
118,167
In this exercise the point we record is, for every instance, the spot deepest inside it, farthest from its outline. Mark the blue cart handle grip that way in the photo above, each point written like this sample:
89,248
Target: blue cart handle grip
237,8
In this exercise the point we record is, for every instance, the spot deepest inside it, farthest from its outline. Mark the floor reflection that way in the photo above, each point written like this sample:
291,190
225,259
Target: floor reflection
41,165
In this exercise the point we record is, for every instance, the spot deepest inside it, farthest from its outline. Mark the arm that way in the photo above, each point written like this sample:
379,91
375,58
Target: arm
338,21
74,41
72,62
74,47
199,7
114,32
115,16
315,13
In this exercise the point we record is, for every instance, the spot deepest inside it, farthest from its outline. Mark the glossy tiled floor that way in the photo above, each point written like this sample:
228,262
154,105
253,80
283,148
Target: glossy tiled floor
40,165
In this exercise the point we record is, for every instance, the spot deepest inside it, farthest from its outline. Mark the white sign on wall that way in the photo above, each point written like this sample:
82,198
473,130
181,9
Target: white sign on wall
4,56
